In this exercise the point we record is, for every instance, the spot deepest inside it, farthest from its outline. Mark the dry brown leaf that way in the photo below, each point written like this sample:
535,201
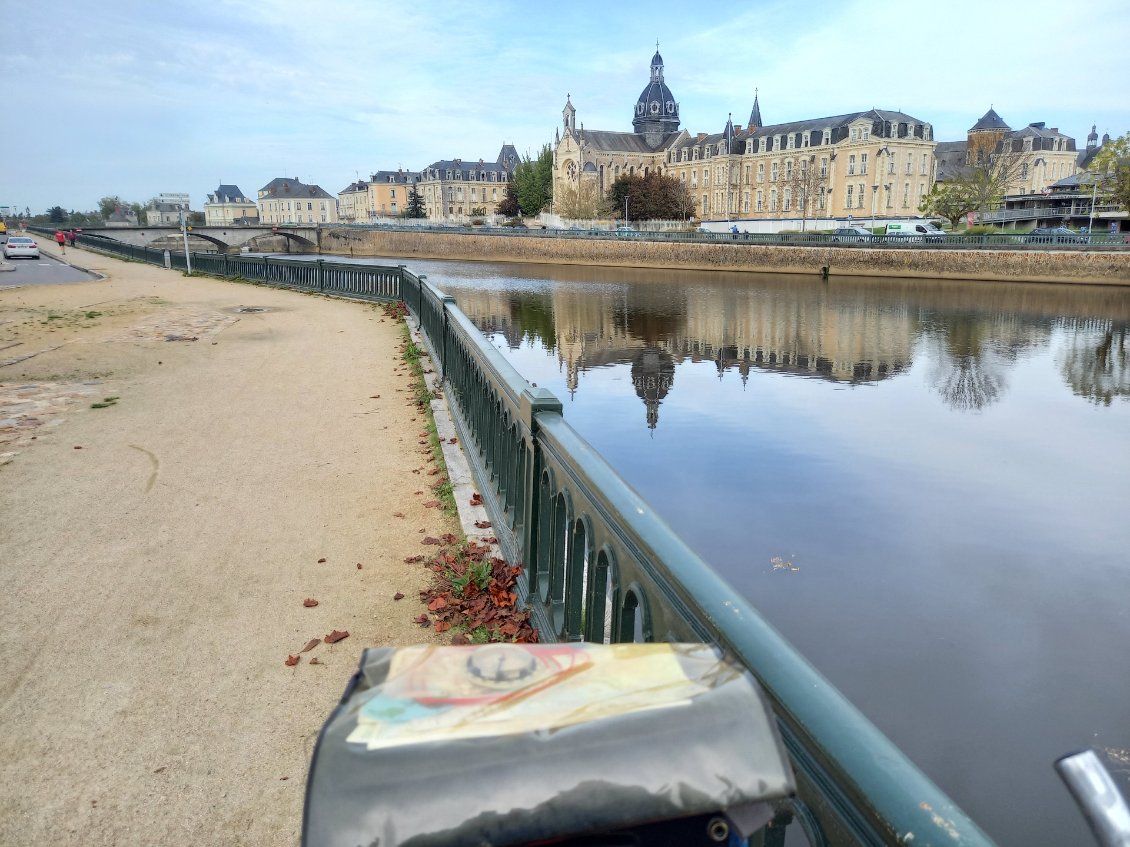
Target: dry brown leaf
309,602
291,661
336,636
310,645
320,561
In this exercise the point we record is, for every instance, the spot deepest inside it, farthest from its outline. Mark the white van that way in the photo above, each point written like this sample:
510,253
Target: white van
922,230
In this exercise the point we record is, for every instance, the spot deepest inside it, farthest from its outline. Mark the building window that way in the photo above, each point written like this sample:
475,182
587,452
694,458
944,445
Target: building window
747,174
906,195
851,165
823,166
393,191
761,172
891,163
827,137
773,200
761,201
925,164
909,163
850,196
859,200
745,201
788,169
773,172
705,176
863,164
706,204
789,143
788,200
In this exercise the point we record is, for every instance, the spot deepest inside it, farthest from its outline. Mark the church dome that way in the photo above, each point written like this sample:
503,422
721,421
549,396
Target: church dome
656,109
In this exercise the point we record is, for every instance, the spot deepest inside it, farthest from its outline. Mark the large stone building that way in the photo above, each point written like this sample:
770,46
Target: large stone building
1038,156
876,162
453,189
227,206
290,201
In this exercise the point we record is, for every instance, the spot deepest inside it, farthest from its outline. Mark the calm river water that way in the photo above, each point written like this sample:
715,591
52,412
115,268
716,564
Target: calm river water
923,484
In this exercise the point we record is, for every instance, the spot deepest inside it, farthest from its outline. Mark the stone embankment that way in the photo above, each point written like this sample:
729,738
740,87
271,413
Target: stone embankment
1092,267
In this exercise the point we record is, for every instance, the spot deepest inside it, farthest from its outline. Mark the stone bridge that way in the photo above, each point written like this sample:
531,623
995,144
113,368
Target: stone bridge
227,239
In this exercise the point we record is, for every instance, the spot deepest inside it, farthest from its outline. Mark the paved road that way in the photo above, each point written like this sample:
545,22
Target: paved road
46,270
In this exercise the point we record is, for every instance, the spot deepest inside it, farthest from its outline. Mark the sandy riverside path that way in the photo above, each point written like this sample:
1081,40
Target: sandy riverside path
153,581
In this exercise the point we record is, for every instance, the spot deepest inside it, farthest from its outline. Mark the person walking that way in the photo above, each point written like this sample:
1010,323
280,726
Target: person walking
61,240
70,237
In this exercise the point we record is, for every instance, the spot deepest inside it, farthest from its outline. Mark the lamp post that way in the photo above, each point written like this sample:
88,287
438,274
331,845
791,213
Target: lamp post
1094,194
625,209
874,197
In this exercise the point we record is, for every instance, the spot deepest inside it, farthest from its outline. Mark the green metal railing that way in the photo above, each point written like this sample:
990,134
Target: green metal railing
602,566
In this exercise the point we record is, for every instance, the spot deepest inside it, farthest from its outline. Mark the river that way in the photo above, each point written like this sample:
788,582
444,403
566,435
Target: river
924,485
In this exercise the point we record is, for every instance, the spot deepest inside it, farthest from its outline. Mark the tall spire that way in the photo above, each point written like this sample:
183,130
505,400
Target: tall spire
755,115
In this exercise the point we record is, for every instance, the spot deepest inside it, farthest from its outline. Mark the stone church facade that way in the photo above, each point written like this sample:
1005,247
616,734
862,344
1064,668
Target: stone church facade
862,164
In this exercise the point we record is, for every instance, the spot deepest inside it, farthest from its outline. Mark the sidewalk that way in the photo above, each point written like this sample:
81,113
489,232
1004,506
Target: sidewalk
156,552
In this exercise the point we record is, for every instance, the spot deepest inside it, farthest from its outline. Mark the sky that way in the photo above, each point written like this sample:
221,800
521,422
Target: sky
133,98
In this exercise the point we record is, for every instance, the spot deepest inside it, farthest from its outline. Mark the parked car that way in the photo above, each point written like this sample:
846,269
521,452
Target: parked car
21,247
852,235
1055,235
626,231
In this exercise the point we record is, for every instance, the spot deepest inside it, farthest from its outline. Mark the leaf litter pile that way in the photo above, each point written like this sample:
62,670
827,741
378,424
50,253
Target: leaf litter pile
475,594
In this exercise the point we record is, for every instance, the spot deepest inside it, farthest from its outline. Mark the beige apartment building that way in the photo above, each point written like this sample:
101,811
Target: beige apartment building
290,201
227,206
389,192
353,203
877,162
453,189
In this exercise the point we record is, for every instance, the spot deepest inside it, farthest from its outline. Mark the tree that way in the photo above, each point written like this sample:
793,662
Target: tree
108,205
987,178
805,184
508,205
196,218
1111,169
533,182
578,201
415,208
651,197
949,200
56,214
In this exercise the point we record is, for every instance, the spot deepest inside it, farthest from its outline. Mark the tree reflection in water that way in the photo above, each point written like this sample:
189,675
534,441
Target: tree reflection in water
1094,360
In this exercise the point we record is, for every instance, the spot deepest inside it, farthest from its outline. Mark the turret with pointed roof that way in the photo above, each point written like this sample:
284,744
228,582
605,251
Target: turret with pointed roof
755,115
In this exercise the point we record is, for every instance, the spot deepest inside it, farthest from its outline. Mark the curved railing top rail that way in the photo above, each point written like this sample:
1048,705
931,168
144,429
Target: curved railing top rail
871,792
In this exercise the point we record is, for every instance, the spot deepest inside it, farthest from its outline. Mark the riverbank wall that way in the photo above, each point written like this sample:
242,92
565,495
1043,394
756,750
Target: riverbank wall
1092,267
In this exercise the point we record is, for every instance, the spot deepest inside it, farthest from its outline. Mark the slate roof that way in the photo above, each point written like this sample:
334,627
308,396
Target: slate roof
355,188
990,120
505,163
228,194
950,156
395,177
608,141
282,186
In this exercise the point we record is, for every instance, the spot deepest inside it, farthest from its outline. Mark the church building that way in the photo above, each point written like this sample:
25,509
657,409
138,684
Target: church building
870,163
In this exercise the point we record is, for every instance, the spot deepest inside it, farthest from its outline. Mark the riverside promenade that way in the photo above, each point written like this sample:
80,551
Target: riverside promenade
185,462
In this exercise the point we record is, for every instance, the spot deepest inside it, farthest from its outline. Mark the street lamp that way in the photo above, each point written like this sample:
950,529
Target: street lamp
874,197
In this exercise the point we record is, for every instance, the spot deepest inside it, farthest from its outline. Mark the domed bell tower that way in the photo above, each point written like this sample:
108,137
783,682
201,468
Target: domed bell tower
657,112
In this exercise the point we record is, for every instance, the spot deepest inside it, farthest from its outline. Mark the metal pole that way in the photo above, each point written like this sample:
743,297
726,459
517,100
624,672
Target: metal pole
184,232
1094,193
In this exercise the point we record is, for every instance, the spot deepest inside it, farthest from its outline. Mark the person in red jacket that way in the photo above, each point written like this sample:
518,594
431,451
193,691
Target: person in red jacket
61,240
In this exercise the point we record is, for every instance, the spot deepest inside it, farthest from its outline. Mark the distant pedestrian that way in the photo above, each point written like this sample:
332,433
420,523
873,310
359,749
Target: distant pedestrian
70,238
61,240
734,230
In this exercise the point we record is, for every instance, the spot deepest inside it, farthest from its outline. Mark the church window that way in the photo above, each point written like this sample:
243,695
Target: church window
639,108
655,107
670,107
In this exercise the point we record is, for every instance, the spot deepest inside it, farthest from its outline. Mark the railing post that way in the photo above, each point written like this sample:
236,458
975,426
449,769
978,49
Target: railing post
320,272
447,303
420,298
534,402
